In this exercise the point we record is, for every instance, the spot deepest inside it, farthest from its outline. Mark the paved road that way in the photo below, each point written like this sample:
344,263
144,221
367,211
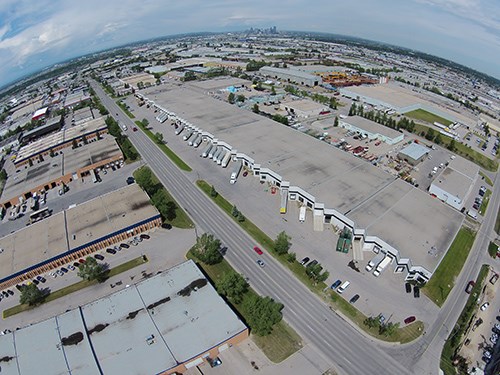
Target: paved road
352,352
423,356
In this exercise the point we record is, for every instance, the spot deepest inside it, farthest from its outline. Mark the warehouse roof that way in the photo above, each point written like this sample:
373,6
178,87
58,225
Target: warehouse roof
334,177
146,328
89,221
453,182
371,126
414,151
290,72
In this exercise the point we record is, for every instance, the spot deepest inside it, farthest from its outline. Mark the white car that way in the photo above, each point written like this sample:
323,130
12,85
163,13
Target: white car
484,306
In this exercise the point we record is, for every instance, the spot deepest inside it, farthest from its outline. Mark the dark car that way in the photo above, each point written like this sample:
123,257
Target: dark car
145,236
336,284
76,264
5,294
416,292
81,260
111,251
245,173
260,263
409,320
470,286
65,270
134,129
41,279
35,281
257,250
124,245
99,256
305,260
354,298
10,292
130,180
313,263
408,287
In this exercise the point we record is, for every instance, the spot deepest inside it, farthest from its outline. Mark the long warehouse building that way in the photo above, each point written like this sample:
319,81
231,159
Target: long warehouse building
341,190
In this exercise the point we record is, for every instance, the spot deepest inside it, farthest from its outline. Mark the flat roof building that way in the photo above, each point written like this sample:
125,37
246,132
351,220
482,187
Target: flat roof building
331,182
292,76
165,324
413,153
304,108
75,233
52,124
371,129
454,184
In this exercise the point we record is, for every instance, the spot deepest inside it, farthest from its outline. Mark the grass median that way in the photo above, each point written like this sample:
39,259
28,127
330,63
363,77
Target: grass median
404,334
421,114
486,178
486,200
76,286
172,155
443,279
125,109
277,346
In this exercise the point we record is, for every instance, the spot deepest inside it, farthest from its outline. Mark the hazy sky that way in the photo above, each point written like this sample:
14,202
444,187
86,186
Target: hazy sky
38,33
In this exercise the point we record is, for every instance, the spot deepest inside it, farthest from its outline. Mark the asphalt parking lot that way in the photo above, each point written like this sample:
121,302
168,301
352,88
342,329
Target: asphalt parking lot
256,201
165,249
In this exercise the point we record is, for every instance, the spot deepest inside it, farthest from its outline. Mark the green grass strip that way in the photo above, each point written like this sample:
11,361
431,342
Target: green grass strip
443,279
172,155
75,287
493,249
486,178
404,334
421,114
486,200
283,340
124,109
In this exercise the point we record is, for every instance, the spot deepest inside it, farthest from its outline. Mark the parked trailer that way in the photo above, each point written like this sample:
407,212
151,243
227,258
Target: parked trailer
194,138
187,135
221,156
236,171
226,159
207,149
179,130
382,266
214,150
376,260
302,214
218,155
198,141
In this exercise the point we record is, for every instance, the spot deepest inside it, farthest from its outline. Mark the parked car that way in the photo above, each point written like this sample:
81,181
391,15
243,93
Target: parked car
257,250
35,281
416,292
99,257
494,279
124,245
304,261
336,284
245,173
484,306
76,264
134,129
313,263
409,320
81,260
260,263
408,287
354,298
470,286
71,267
145,236
64,269
10,292
111,251
41,279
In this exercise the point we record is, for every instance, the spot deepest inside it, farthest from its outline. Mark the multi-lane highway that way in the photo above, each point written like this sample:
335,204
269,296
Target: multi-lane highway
349,350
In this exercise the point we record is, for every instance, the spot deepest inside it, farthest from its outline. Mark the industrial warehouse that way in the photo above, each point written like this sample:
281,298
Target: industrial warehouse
74,233
163,325
340,189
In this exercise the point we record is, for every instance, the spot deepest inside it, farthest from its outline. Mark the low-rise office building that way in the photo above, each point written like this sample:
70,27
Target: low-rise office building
372,130
413,153
290,75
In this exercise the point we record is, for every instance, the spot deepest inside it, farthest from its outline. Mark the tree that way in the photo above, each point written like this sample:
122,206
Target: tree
452,146
233,286
92,270
207,248
240,217
31,295
255,108
273,91
282,243
235,211
74,144
240,98
438,140
3,175
145,122
231,98
159,137
84,139
315,274
213,192
144,178
291,257
262,314
352,110
336,121
430,134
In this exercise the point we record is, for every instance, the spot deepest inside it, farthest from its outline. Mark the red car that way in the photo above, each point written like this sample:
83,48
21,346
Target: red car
257,250
134,129
409,320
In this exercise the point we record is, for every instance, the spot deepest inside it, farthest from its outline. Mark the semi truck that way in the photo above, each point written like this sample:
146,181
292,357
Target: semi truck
382,266
221,156
302,214
198,141
236,171
187,135
376,260
194,138
207,149
179,130
226,159
213,151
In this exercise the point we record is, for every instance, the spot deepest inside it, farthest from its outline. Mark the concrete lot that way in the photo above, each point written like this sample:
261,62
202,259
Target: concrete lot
165,249
305,242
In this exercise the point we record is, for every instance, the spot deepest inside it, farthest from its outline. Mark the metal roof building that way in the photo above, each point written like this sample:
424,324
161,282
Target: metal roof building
372,130
414,153
289,75
162,325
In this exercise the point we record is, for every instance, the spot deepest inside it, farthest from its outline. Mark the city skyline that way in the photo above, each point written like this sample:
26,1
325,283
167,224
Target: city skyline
35,35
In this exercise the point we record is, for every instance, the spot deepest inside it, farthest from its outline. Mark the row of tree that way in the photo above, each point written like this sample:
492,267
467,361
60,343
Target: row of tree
126,146
260,313
387,329
159,196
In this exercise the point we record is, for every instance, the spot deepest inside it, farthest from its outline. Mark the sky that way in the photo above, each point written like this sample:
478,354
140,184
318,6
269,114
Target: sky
38,33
